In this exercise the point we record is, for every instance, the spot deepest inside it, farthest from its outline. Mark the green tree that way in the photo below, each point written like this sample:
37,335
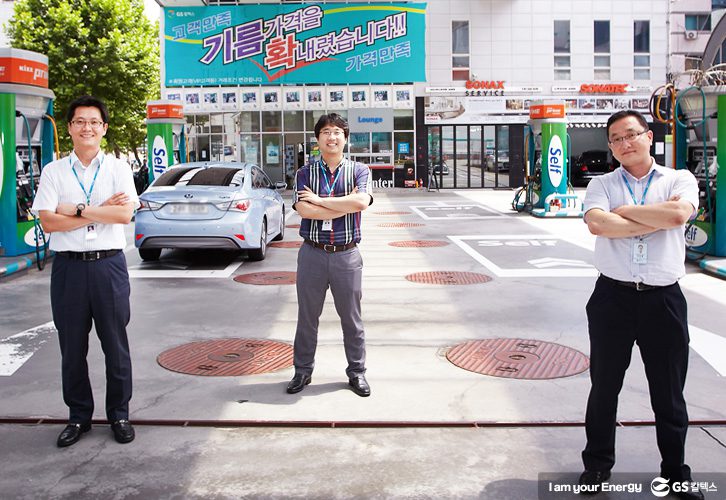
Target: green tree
105,48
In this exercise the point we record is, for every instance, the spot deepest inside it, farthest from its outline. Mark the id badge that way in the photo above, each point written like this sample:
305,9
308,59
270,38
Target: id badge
640,252
91,233
328,225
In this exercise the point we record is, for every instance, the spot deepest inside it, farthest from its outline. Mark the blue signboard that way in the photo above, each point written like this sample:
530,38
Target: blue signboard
294,44
403,147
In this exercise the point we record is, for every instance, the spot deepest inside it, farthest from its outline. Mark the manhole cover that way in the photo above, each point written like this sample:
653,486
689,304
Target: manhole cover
293,226
227,357
518,358
419,243
448,278
392,213
286,244
268,278
400,224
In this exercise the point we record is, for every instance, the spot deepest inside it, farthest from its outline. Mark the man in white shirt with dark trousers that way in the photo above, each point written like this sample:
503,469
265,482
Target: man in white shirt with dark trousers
84,200
638,213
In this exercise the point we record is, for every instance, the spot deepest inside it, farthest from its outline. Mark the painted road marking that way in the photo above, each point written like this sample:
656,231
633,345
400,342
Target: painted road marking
139,272
446,211
506,244
17,349
555,262
711,347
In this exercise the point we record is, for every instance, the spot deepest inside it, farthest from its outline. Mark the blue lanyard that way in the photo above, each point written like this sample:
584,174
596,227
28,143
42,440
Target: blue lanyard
632,194
93,183
331,185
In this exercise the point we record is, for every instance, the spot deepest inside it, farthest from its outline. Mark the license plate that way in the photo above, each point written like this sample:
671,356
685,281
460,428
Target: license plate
188,208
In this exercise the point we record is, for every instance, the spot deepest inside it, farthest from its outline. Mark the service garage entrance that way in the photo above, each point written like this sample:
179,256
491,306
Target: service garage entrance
476,156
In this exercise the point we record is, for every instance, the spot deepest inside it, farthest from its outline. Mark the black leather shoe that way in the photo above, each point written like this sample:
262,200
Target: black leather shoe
72,433
360,386
123,431
591,481
298,383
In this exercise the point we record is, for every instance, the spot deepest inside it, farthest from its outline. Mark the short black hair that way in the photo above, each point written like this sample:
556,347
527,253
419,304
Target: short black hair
87,101
624,114
334,120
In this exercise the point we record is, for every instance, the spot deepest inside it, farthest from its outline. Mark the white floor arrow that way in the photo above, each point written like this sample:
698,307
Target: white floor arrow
710,347
17,349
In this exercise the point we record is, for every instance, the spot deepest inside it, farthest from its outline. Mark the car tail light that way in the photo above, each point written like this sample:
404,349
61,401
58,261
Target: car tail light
139,236
240,236
583,168
149,205
240,205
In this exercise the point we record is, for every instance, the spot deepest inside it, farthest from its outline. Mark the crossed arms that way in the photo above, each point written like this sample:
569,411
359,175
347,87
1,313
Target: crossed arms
638,220
312,206
115,210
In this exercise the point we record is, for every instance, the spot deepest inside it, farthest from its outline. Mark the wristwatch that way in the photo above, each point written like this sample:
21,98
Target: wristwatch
80,208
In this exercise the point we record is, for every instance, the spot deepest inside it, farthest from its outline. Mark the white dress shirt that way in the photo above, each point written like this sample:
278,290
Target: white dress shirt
666,248
59,185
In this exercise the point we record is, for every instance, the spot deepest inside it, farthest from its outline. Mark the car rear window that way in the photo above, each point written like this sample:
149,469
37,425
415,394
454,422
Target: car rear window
195,176
220,176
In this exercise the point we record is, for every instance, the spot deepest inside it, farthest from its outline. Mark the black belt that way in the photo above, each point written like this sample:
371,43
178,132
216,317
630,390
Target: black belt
90,256
635,285
331,248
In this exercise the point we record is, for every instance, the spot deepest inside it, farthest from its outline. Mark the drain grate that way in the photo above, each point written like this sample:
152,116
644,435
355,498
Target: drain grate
227,357
448,278
268,278
392,213
400,224
286,244
418,243
518,358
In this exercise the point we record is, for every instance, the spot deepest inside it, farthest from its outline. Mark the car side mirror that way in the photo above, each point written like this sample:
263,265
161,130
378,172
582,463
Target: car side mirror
280,185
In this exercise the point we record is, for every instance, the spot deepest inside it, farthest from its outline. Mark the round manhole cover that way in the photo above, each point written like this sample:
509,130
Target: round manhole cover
400,224
227,357
286,244
392,213
518,358
448,278
293,226
268,278
418,243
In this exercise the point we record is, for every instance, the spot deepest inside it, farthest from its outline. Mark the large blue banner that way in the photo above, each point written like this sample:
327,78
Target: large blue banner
275,44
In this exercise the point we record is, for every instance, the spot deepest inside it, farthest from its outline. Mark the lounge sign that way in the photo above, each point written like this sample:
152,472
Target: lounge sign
302,43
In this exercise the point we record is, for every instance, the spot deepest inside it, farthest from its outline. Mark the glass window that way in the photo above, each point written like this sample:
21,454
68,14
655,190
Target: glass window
562,61
381,142
602,74
698,22
359,142
202,124
641,61
249,121
693,62
641,36
460,61
311,118
641,74
602,61
460,37
602,37
562,36
271,121
403,119
250,148
217,123
216,176
293,121
460,74
562,74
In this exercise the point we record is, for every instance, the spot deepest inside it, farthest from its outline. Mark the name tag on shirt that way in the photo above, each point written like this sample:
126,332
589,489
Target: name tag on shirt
640,252
328,225
91,233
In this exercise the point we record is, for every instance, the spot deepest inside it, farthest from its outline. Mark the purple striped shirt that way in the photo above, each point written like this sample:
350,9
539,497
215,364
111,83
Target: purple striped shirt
318,178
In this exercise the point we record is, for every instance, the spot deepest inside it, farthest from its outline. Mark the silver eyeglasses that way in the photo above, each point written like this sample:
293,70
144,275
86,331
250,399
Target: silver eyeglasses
80,124
632,136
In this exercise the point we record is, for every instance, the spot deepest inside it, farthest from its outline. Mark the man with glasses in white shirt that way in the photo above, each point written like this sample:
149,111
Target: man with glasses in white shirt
638,213
84,200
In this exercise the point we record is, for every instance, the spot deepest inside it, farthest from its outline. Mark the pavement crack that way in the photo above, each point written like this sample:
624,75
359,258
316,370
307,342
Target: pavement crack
723,445
78,469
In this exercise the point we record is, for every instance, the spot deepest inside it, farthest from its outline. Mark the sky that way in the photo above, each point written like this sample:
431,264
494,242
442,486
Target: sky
151,9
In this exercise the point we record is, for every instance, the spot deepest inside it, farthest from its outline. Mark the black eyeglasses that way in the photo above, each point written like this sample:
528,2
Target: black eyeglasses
632,136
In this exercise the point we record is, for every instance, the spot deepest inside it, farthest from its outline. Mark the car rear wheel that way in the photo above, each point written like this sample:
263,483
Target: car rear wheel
150,253
281,234
259,254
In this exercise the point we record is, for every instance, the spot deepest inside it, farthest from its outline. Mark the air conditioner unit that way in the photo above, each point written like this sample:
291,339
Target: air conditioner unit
690,35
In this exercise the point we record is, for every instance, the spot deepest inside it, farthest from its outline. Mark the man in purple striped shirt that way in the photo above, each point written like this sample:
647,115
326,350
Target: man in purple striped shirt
330,195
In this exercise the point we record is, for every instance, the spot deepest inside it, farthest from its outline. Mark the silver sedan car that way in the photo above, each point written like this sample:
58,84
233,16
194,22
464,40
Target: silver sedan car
202,205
